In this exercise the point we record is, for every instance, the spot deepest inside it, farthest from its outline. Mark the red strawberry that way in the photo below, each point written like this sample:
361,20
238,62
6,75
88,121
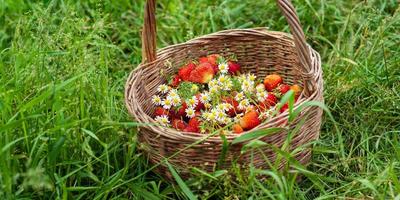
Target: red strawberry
202,73
236,128
203,59
199,105
283,88
160,111
179,124
213,59
284,107
231,112
249,120
296,89
272,81
191,129
181,112
184,72
197,114
233,67
172,113
176,80
195,123
271,99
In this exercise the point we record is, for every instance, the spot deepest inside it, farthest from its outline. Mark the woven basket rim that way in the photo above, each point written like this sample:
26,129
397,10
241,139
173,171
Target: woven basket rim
173,133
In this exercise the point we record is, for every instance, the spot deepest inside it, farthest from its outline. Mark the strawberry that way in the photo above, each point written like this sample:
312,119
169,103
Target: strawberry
191,129
202,73
179,124
296,89
236,128
212,59
199,105
249,120
194,122
283,88
197,114
160,111
203,59
181,111
284,107
272,81
176,80
233,67
172,114
271,100
184,72
231,112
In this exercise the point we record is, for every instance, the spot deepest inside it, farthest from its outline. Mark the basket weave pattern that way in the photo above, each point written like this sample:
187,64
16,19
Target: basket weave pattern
258,51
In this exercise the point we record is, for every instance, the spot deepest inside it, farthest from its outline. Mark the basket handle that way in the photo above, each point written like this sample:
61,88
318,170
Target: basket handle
149,33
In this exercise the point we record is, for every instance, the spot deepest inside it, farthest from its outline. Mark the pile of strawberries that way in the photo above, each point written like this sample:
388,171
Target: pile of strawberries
212,93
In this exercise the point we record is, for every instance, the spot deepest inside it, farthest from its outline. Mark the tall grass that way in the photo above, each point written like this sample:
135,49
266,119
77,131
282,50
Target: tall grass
65,133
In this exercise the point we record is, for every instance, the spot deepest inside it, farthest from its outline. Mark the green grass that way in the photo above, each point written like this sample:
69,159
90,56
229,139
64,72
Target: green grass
65,132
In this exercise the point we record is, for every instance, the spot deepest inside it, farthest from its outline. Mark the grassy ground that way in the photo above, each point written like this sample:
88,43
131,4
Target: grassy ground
65,132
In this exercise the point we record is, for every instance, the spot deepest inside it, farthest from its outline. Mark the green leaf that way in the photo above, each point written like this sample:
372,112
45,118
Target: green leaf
55,149
256,134
94,136
139,190
181,183
253,144
224,150
313,103
204,173
219,173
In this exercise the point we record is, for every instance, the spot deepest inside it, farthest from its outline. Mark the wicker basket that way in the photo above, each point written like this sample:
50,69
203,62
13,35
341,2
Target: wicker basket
260,52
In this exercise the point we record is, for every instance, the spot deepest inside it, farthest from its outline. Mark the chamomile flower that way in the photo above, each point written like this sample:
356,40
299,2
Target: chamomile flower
163,120
242,78
222,79
224,106
167,103
173,93
176,100
243,104
163,88
209,116
207,105
205,115
220,107
205,97
261,96
213,83
238,117
252,77
223,68
190,112
214,90
239,96
249,108
213,114
260,88
226,120
228,85
220,115
192,102
156,100
247,86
